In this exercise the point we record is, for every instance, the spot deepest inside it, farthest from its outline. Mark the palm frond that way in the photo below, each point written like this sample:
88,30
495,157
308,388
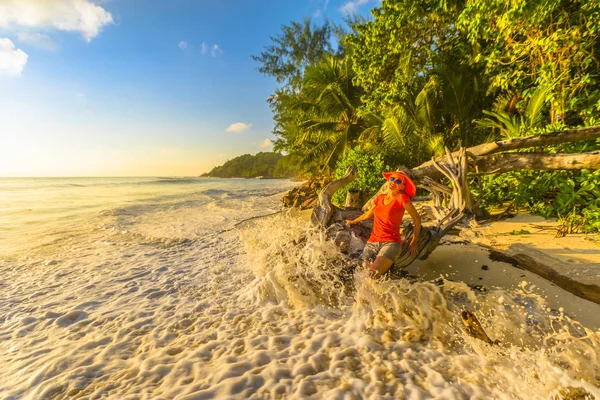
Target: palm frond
509,125
535,106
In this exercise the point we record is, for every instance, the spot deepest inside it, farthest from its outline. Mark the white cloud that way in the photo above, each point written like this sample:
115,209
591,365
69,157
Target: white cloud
265,144
317,13
351,7
66,15
12,60
39,40
215,51
238,127
183,45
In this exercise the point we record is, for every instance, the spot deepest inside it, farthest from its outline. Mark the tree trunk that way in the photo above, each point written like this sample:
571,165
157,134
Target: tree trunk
325,209
455,168
331,218
572,135
500,163
547,139
353,199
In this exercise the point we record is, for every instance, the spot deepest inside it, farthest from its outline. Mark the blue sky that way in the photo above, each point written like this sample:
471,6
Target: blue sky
139,88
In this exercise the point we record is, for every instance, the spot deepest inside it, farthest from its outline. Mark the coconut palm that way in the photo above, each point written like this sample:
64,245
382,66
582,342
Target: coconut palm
461,99
511,125
330,122
407,128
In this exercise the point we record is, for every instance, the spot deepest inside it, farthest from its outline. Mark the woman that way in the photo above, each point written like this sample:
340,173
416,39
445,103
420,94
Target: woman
383,246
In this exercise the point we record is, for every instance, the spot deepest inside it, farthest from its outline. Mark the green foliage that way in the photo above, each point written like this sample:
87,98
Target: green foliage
329,124
300,45
420,32
533,43
417,77
369,167
409,128
521,123
415,67
265,164
574,195
520,232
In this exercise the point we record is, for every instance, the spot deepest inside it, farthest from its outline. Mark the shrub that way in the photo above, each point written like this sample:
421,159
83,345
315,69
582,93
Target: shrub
572,196
369,167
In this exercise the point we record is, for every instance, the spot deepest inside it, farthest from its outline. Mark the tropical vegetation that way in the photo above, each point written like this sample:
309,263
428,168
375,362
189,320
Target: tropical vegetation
421,76
264,165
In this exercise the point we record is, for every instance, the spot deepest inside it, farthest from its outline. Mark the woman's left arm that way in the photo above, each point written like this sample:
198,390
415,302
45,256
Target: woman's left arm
417,219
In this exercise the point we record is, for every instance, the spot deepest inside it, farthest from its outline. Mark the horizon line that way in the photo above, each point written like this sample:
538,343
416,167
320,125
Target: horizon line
104,176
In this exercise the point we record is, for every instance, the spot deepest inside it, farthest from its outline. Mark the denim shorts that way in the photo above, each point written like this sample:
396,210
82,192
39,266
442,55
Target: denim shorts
389,250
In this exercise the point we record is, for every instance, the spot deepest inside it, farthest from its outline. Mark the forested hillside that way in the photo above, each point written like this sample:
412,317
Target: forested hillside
264,164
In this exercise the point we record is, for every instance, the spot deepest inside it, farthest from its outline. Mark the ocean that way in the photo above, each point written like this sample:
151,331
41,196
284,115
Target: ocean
172,288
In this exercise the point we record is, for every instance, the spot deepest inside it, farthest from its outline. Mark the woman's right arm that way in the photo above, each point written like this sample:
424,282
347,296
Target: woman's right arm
368,214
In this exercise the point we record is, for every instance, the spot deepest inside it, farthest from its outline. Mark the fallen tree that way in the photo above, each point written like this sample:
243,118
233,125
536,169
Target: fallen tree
477,154
505,162
451,211
455,204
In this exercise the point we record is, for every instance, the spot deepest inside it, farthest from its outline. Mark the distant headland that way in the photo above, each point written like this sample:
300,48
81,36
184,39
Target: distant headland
261,165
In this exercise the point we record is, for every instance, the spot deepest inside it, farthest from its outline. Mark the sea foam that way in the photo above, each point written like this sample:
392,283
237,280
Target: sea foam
162,293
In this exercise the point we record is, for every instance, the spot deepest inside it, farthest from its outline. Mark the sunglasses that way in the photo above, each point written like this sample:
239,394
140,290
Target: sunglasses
397,181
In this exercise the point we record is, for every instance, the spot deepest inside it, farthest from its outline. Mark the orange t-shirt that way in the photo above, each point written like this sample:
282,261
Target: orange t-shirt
387,219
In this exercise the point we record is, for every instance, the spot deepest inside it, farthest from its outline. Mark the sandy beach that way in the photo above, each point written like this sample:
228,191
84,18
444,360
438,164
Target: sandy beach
166,295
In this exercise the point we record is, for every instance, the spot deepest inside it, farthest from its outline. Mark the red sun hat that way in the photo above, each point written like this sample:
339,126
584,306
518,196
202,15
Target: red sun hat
410,188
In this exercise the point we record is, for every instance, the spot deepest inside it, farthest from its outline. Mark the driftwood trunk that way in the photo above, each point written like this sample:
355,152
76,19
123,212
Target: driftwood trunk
457,207
500,163
480,154
451,205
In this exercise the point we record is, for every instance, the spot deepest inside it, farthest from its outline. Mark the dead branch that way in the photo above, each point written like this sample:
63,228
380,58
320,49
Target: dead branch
568,136
505,162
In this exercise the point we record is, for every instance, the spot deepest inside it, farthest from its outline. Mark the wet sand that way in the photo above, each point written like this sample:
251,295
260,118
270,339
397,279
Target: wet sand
471,264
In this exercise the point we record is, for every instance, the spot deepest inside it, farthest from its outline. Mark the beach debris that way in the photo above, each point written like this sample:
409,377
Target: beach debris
304,196
478,287
575,393
474,328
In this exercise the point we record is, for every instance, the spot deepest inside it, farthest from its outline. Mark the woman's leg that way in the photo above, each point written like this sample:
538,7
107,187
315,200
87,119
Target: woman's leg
379,266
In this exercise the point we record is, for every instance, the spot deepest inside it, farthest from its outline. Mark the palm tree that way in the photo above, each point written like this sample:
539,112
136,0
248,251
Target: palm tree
511,125
408,128
330,122
436,111
460,101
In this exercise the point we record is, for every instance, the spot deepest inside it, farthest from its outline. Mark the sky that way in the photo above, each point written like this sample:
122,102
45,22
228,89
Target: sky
139,87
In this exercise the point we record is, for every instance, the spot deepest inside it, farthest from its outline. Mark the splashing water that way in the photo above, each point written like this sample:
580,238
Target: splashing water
406,338
147,292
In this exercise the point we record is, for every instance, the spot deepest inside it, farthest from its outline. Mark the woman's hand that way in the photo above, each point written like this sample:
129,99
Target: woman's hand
349,222
413,248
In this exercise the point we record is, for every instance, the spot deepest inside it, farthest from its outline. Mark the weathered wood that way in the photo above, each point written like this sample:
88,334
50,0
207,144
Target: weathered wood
546,139
474,328
505,162
353,199
454,169
322,214
583,283
572,135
